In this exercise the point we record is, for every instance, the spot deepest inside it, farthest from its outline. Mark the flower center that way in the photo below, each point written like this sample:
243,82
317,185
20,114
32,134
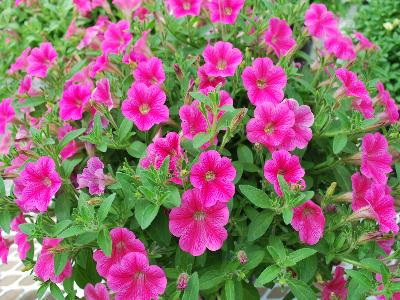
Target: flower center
139,276
307,212
144,109
187,5
210,175
221,65
281,172
47,182
199,215
261,83
120,246
269,128
154,80
228,11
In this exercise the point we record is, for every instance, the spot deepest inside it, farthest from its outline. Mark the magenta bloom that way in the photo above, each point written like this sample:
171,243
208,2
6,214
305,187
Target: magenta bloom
336,287
198,225
73,101
214,176
116,38
361,185
340,46
192,120
272,124
140,50
181,8
72,147
127,6
145,106
20,238
376,160
285,164
364,42
124,241
225,11
102,63
102,93
320,22
25,87
150,72
134,278
21,63
36,185
41,59
221,59
264,81
309,221
93,177
98,292
7,114
4,248
391,109
208,81
44,268
279,36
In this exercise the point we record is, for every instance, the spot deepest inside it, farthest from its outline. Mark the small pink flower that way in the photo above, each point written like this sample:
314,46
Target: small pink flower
41,59
44,268
361,185
336,287
83,6
285,164
98,292
37,184
192,120
100,64
264,81
150,72
140,50
21,63
279,36
73,101
127,6
71,30
376,160
145,106
134,278
365,43
141,13
221,59
272,124
102,93
309,221
94,35
4,248
340,46
208,81
80,77
93,177
5,144
214,176
72,147
198,225
182,8
225,11
320,22
391,109
116,38
26,87
20,238
124,241
7,114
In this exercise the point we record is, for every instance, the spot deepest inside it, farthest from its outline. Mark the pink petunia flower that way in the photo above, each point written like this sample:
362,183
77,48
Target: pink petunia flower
21,63
72,29
150,72
97,292
36,185
94,35
73,101
141,13
309,221
93,177
84,7
192,120
340,46
134,278
140,50
386,245
221,59
100,64
4,248
286,165
44,268
41,59
272,124
182,8
206,81
20,238
391,112
26,86
116,38
145,106
127,6
72,147
225,11
320,22
7,114
214,176
264,81
279,36
376,160
364,42
198,225
80,77
336,287
361,185
102,93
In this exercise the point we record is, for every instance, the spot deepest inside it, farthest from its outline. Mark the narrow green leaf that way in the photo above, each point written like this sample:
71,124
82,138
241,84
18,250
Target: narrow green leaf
200,139
230,289
298,255
71,231
104,241
259,225
105,208
137,149
27,228
287,215
301,290
2,187
192,290
360,278
42,290
338,143
256,196
145,212
245,155
124,129
56,292
5,220
70,136
269,274
60,260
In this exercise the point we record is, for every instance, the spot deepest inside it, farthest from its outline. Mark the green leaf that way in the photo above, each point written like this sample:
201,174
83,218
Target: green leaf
211,279
256,196
42,290
60,226
137,149
245,154
287,214
173,199
27,228
230,289
259,225
105,208
145,212
301,290
200,96
104,241
60,260
200,139
284,187
360,278
2,187
298,255
269,274
338,143
70,136
56,291
192,290
5,220
124,129
71,231
68,165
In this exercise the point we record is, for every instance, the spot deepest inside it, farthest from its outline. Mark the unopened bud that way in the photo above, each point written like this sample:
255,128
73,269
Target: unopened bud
178,71
95,201
242,257
182,281
331,189
237,119
258,147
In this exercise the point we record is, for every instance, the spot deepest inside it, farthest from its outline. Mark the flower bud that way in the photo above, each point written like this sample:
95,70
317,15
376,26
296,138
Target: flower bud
178,71
242,257
237,119
182,281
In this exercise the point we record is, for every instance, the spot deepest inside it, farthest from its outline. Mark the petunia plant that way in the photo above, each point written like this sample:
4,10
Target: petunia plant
189,149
